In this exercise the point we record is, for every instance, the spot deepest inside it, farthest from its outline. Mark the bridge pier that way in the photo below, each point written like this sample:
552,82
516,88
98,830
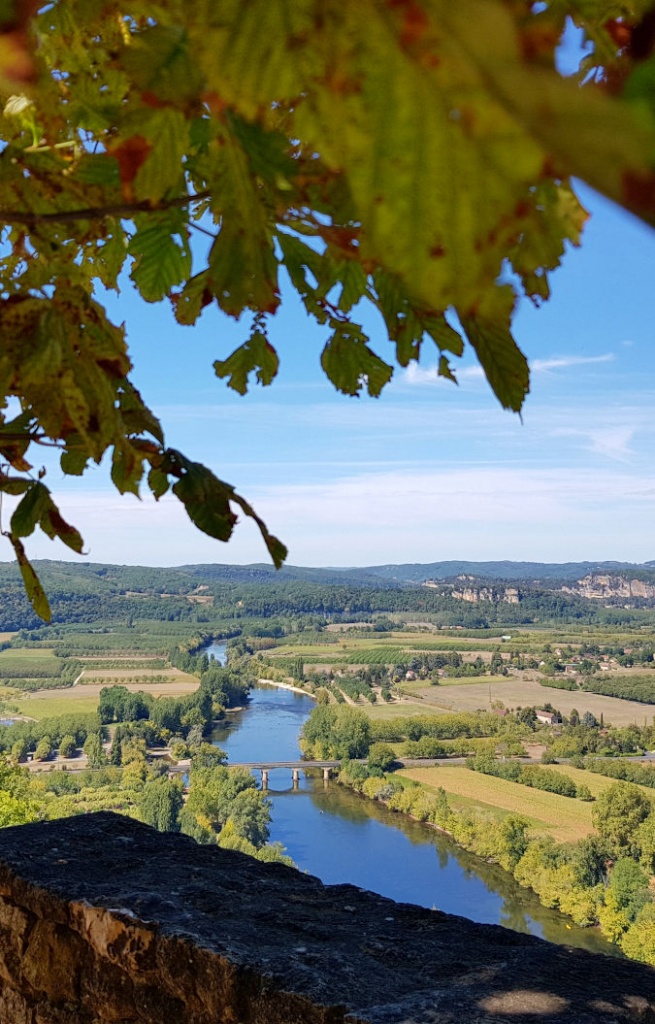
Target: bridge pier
294,766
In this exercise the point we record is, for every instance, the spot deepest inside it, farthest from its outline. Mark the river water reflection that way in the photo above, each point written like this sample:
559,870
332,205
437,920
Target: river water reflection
339,836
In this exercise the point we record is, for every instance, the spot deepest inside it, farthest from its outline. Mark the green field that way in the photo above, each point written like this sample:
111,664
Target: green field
559,816
563,818
42,707
36,654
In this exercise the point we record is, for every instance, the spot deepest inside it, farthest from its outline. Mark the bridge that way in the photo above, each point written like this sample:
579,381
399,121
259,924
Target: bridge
265,766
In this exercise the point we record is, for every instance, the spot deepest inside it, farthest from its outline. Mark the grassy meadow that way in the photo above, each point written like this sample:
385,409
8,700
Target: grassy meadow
52,707
563,818
559,816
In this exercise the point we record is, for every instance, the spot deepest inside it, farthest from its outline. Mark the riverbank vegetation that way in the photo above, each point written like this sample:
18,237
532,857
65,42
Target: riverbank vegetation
588,851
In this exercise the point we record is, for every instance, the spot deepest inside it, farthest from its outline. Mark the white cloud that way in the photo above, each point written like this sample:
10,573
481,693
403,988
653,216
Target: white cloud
420,375
471,512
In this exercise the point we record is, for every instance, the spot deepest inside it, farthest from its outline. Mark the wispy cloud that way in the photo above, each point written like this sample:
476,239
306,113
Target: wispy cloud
613,442
564,362
419,375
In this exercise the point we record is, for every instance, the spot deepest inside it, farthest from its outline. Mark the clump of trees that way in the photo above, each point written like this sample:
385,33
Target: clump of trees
336,731
224,806
526,775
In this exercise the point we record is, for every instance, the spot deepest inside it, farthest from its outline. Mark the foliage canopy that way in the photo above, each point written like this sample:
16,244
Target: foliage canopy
412,155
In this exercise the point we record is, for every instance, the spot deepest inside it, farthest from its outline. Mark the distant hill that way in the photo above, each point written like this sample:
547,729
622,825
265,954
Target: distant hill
263,572
533,572
114,578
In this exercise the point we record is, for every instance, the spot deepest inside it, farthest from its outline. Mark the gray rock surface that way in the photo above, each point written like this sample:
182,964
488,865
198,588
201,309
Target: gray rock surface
104,920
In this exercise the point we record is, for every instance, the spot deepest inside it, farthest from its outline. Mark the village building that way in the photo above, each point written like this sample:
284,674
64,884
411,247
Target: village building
548,717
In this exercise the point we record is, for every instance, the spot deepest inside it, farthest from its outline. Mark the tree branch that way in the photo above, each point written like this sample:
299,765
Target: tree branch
98,212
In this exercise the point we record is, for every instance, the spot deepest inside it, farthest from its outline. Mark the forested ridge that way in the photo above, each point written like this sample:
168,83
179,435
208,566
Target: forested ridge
91,592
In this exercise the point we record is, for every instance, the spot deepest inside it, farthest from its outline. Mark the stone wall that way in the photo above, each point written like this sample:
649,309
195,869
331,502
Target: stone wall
104,921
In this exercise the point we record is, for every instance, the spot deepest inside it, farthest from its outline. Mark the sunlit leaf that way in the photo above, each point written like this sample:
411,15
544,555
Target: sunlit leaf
31,581
161,260
242,263
167,134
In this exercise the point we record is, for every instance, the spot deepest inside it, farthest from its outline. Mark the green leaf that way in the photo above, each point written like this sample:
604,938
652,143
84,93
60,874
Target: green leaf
505,366
444,336
38,508
160,260
351,364
29,510
15,439
276,549
73,461
243,272
267,151
33,589
299,257
158,482
160,61
445,370
126,469
256,355
111,256
206,500
190,302
137,417
14,485
552,216
353,284
98,169
242,263
167,131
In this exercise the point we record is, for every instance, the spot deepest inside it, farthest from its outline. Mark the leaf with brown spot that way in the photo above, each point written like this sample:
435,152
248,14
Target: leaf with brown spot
131,155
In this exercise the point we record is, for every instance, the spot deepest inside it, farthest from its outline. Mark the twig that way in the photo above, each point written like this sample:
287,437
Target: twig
99,212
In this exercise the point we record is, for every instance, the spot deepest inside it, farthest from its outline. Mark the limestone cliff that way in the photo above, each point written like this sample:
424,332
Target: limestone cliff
611,587
466,589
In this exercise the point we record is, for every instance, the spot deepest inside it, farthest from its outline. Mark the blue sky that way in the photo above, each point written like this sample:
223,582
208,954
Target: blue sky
429,471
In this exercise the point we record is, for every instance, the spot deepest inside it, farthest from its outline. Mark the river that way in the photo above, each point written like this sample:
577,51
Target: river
339,836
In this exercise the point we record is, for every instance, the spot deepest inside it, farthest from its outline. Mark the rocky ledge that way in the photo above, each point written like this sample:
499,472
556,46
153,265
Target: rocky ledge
104,920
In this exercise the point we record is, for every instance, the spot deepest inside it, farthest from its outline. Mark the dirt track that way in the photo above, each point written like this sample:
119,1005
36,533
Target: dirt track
176,686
